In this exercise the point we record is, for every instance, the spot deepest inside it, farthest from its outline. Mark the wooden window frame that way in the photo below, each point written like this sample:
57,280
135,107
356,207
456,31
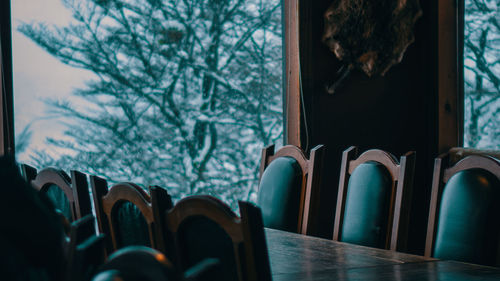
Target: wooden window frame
6,96
450,80
292,87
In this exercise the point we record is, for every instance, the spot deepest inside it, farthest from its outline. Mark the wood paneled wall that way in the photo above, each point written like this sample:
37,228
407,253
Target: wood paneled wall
413,107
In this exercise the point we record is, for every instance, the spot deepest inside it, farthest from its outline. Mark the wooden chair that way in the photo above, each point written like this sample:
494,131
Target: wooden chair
128,215
456,154
374,199
84,250
464,215
289,188
137,263
204,227
70,195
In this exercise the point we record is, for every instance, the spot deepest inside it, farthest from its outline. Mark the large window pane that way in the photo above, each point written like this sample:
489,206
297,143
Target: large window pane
482,74
181,94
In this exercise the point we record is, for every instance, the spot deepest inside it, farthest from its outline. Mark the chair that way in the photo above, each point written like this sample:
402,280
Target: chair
70,195
84,250
456,154
204,227
31,234
289,188
374,199
464,215
137,263
128,215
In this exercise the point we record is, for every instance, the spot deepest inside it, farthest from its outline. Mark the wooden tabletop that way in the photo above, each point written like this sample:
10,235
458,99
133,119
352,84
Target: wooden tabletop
300,257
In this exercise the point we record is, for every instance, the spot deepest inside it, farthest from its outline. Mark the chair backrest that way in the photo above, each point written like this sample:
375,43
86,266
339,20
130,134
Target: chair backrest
70,195
31,234
374,198
289,188
84,250
204,227
128,215
464,215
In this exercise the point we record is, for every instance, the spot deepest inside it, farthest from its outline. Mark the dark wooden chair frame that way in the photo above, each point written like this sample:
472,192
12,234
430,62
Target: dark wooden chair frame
151,206
442,173
402,187
247,231
75,188
307,222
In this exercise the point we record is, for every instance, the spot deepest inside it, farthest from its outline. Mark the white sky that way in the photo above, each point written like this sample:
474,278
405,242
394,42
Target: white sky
38,75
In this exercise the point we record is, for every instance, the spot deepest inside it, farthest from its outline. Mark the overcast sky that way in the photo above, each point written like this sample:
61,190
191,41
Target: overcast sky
38,75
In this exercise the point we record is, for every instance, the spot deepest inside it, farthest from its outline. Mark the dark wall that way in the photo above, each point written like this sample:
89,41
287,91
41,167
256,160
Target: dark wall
397,112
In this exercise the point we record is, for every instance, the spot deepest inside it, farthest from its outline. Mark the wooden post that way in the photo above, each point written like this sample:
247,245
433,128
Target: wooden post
449,103
292,75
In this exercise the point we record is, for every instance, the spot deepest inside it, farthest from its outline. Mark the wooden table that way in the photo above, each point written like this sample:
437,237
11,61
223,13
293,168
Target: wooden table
300,257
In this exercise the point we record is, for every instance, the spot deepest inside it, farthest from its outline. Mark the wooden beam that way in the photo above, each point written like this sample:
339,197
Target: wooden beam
450,101
292,76
2,145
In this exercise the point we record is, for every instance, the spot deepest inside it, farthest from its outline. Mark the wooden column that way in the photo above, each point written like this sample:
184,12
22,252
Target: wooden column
292,75
450,98
6,101
2,147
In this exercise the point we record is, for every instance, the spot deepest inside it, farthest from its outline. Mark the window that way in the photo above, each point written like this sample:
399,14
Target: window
181,94
482,74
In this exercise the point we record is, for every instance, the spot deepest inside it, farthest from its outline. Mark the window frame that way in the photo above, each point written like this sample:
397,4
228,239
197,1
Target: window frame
6,89
291,97
450,41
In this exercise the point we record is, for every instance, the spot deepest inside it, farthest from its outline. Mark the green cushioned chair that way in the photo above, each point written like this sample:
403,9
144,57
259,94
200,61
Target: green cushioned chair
206,228
464,218
70,195
289,188
373,199
128,215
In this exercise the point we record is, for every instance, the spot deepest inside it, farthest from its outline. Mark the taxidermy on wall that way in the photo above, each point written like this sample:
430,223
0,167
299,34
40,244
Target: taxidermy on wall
369,35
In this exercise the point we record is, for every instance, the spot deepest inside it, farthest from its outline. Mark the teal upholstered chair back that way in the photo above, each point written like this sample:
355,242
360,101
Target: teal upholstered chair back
289,188
374,188
58,197
367,206
466,217
279,194
128,215
204,227
129,225
70,195
200,237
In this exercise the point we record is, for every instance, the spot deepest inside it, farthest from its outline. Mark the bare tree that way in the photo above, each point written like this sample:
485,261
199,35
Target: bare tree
185,94
482,73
